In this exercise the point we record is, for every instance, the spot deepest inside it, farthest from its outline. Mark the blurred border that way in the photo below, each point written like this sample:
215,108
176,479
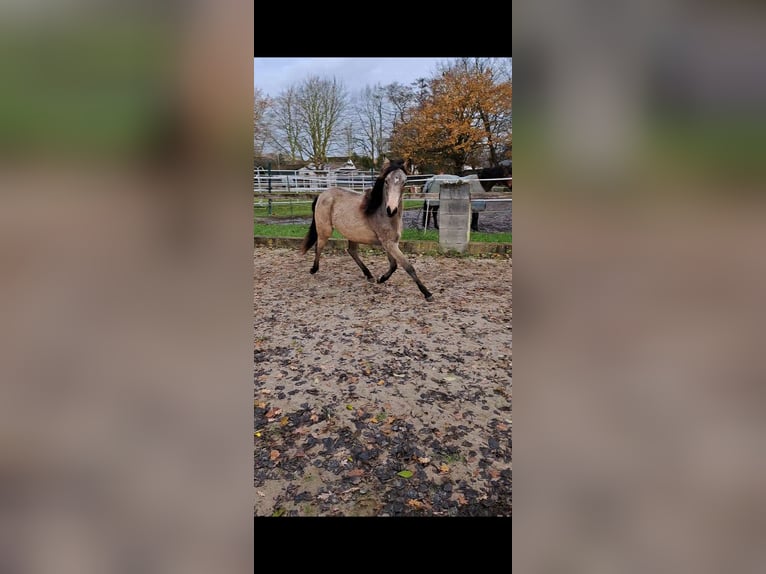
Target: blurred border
638,286
126,183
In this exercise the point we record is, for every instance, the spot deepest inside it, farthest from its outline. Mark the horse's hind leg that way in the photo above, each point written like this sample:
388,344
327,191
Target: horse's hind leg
391,269
394,252
321,242
353,252
323,230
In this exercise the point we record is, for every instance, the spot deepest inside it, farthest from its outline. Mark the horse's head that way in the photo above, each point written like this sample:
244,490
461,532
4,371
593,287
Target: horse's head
388,188
394,177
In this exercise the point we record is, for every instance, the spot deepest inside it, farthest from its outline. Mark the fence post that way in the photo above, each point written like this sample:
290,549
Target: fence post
269,210
268,166
454,215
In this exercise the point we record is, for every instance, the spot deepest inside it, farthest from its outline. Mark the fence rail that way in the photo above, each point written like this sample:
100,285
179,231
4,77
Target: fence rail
284,181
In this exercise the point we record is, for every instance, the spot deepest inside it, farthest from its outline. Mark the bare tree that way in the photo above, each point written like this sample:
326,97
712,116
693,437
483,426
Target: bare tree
401,99
348,131
372,111
261,131
321,104
286,128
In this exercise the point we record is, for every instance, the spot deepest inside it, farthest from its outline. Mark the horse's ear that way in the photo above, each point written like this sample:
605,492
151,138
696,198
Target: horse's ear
386,163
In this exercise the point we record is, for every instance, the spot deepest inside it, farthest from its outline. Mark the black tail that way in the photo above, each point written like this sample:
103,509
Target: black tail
311,236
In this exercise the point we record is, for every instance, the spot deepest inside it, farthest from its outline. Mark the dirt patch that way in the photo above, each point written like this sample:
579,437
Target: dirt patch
370,401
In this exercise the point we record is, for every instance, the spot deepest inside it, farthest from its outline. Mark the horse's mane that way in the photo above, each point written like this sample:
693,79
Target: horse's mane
373,197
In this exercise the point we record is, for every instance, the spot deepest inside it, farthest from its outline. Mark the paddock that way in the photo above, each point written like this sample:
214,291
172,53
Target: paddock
370,401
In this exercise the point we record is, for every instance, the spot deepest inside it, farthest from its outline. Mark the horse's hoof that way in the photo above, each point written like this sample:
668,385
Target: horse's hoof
312,271
371,279
429,297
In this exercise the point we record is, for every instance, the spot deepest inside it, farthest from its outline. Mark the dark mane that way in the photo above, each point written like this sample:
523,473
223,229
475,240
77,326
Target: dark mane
373,197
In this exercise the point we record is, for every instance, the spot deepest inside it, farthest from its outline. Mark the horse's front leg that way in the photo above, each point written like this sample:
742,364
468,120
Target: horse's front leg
353,252
392,249
391,269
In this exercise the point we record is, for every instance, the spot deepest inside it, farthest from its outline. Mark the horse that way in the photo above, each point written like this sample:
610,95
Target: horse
500,173
372,218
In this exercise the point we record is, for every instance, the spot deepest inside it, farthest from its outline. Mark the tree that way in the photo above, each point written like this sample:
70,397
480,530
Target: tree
372,114
462,116
261,132
307,118
285,132
321,104
401,98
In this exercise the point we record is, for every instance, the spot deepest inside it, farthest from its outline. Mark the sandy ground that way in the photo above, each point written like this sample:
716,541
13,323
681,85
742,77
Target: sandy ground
368,400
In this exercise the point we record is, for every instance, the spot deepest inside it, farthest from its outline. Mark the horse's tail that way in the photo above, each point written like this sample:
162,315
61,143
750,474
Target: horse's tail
311,236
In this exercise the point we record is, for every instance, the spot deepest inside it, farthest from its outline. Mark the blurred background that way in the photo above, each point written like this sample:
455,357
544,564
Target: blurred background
638,227
126,286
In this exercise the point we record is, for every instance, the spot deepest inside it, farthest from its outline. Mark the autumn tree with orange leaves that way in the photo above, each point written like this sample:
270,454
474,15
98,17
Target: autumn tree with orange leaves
464,118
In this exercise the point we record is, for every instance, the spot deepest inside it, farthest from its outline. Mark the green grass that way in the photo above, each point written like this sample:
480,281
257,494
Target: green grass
300,230
481,237
285,230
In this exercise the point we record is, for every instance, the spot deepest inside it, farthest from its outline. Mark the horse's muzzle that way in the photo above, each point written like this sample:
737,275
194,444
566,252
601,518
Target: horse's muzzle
391,213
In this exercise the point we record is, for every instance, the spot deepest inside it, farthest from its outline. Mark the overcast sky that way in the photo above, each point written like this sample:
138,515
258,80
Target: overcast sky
272,75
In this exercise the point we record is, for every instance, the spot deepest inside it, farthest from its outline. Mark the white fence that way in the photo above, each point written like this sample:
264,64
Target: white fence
284,181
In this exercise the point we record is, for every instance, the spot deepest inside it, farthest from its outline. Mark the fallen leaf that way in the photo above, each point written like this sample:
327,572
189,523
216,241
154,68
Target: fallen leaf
424,460
284,421
349,407
461,500
274,455
313,418
355,472
502,427
494,473
415,503
444,468
273,413
405,473
260,493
